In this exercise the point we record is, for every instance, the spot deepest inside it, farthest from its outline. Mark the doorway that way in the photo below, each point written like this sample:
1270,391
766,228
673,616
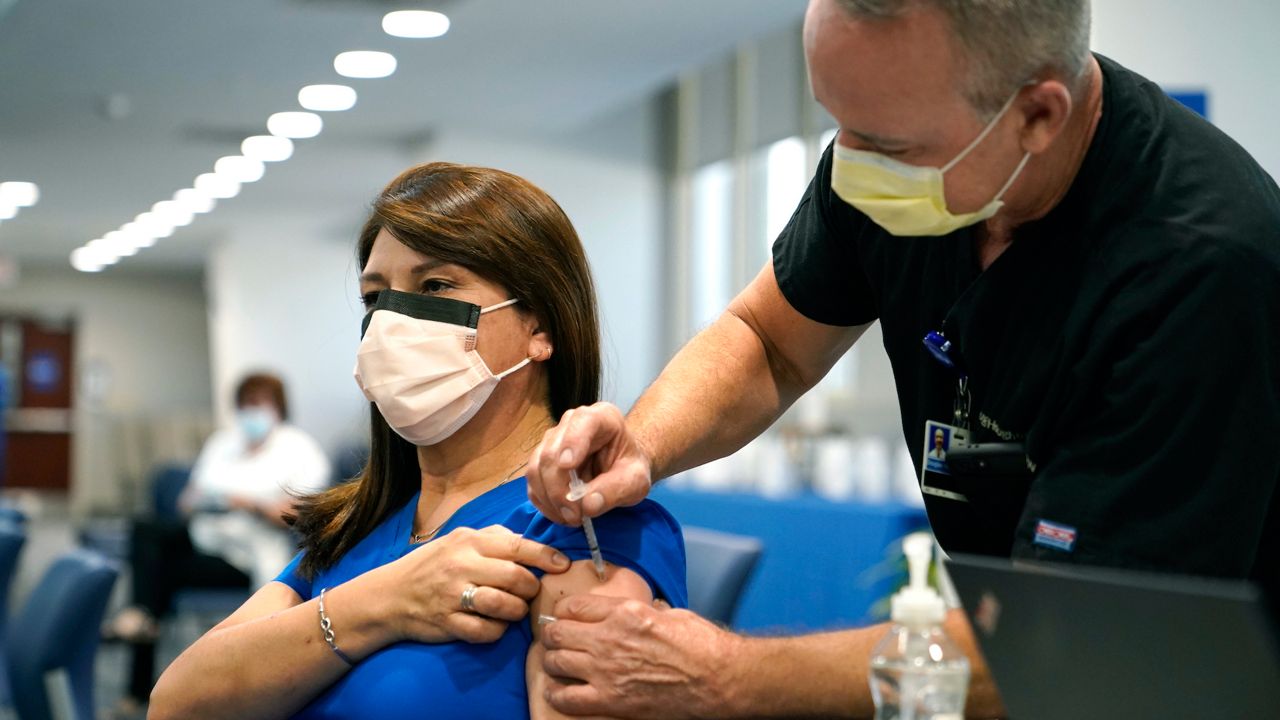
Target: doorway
36,396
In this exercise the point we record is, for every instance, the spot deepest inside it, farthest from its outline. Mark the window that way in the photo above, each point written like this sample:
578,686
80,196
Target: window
711,247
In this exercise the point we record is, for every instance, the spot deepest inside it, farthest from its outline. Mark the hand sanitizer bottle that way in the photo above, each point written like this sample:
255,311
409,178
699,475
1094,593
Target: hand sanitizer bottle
917,673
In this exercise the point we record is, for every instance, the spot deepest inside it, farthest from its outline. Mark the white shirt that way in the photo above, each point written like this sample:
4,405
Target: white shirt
289,463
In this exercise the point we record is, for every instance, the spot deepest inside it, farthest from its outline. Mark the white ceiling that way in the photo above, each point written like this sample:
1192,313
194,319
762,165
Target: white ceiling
200,75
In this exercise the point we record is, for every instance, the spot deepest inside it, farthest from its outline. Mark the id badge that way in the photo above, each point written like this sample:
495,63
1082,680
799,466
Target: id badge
936,477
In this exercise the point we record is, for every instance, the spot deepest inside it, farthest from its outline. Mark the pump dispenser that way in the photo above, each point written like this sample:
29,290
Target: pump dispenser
918,603
917,673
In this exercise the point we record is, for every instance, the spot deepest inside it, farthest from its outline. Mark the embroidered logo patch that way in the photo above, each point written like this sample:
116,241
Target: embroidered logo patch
1061,537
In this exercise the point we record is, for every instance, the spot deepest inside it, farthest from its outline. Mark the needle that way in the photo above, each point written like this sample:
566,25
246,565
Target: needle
577,489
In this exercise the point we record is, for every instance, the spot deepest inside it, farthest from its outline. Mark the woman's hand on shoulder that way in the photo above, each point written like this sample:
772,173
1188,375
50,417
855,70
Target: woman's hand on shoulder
425,588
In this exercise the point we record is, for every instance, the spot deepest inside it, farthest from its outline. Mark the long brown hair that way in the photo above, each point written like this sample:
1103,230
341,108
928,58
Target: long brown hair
508,231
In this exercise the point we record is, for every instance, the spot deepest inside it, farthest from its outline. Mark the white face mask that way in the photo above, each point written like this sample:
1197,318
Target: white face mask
909,200
418,363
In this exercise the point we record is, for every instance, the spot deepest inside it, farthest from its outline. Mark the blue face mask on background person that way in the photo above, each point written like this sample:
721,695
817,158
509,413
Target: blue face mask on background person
909,200
256,422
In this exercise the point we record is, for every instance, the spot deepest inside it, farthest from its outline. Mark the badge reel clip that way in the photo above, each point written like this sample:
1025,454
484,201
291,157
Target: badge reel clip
948,356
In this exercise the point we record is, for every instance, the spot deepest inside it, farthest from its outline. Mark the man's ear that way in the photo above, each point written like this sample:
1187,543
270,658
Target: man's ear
1046,106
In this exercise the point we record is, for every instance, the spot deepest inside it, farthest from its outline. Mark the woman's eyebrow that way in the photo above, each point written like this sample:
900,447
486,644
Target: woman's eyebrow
374,276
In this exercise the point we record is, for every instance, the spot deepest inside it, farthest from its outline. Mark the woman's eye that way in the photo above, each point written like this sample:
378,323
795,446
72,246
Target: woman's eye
368,299
434,286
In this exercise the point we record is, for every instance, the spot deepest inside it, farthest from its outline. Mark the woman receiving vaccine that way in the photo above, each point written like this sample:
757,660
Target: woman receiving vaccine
420,584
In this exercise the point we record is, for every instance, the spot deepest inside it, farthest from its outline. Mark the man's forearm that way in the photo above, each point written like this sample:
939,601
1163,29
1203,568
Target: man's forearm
717,394
827,675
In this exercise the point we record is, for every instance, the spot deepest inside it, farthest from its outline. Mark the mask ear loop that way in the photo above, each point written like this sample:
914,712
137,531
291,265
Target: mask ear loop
520,364
513,368
1016,172
985,131
500,305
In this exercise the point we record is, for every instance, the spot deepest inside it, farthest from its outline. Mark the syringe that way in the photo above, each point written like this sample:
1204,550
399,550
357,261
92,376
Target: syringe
577,490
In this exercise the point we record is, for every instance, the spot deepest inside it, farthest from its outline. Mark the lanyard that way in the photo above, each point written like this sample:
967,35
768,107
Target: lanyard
948,355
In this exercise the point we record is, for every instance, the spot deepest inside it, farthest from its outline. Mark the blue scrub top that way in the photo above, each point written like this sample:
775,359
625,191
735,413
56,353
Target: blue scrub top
474,682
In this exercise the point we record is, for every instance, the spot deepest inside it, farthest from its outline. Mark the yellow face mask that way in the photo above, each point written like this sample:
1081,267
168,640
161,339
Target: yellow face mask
908,200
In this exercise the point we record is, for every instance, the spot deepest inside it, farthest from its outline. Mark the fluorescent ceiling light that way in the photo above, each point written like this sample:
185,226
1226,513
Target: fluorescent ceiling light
295,124
239,168
217,186
19,194
98,252
154,224
139,235
196,201
327,98
415,23
267,148
119,243
173,213
364,64
85,260
7,211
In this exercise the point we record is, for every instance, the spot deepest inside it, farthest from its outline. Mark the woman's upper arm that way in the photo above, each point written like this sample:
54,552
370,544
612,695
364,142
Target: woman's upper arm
581,578
269,599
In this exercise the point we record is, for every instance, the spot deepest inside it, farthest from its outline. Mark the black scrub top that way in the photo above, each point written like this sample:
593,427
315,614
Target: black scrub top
1130,339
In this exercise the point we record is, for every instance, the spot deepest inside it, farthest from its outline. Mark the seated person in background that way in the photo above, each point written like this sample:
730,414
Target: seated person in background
415,592
245,478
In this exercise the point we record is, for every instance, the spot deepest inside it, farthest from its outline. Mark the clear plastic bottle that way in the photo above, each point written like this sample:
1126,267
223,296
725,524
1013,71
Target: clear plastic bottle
917,673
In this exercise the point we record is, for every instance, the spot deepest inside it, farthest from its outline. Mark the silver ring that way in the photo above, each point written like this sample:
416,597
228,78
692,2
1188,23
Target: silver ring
469,598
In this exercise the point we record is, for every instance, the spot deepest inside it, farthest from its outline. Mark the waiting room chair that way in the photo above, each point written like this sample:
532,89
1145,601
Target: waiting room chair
56,638
12,538
9,513
719,565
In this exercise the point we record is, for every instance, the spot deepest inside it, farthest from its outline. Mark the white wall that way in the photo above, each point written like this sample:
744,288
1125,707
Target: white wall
608,181
283,301
144,336
1228,48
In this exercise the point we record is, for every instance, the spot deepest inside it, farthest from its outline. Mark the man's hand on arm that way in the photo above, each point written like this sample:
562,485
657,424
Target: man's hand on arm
631,660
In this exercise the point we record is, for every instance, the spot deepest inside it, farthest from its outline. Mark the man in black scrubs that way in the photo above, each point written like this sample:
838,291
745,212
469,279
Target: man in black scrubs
1073,273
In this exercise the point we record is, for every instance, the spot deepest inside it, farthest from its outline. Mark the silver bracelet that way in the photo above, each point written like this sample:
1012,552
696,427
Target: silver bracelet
326,627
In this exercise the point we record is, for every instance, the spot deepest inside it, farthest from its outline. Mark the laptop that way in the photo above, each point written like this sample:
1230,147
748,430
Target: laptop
1070,642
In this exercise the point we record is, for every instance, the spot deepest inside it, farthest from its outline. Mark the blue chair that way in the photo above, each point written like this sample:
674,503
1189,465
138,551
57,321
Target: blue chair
167,484
719,565
57,635
12,537
9,513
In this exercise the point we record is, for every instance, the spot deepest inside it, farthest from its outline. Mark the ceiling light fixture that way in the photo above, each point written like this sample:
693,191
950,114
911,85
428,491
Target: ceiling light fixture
119,243
196,201
364,64
154,224
267,148
295,124
86,260
217,186
173,212
327,98
415,23
19,194
240,168
139,235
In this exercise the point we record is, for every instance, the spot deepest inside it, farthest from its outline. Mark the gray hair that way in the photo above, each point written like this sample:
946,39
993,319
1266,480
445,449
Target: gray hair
1007,42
